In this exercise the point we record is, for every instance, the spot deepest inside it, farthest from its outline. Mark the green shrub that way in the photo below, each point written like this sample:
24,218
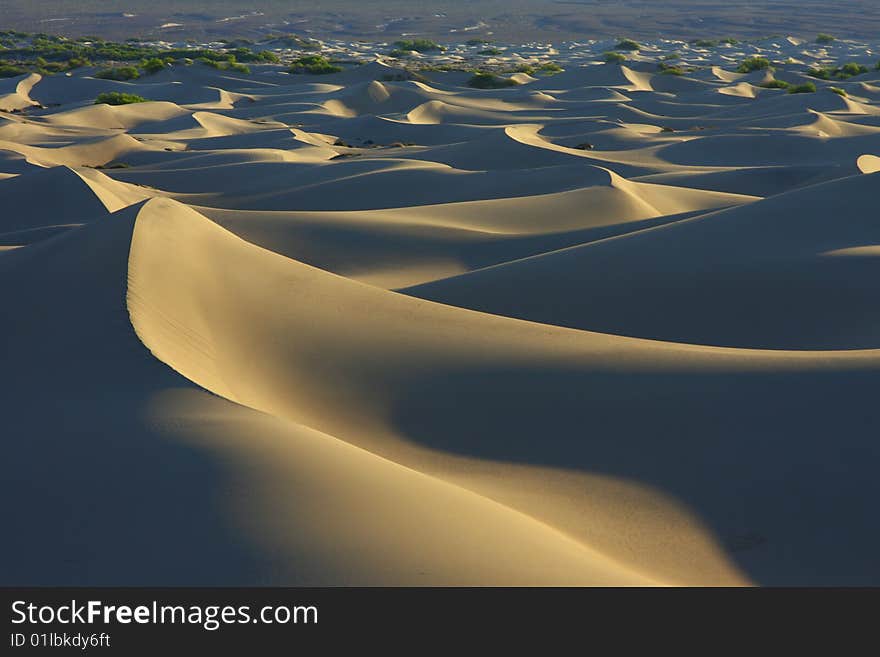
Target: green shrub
704,43
549,67
848,70
229,65
121,73
490,52
838,91
313,65
753,64
10,71
825,38
153,65
668,69
419,45
490,81
775,84
614,57
807,88
627,44
77,62
118,98
242,54
670,57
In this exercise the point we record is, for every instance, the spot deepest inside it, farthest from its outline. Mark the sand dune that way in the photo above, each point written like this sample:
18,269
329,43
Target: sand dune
604,327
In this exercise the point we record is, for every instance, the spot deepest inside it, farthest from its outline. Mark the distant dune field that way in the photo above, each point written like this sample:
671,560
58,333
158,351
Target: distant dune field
453,20
618,325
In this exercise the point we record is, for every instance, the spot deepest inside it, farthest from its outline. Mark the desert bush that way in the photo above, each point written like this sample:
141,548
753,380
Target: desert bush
825,38
806,88
118,98
627,44
775,84
753,64
10,70
77,62
313,65
243,54
614,57
121,73
549,67
848,70
490,51
704,43
669,69
838,91
490,81
419,45
153,65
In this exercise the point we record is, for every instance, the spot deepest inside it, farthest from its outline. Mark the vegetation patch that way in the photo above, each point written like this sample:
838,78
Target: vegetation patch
10,70
670,69
753,64
825,38
46,53
313,65
419,45
226,65
549,68
807,88
614,57
774,84
837,73
118,98
483,80
628,44
154,64
121,73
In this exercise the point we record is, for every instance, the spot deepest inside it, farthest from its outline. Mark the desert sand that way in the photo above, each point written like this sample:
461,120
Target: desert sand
605,327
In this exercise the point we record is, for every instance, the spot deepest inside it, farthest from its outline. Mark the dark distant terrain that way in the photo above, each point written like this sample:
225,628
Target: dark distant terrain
445,20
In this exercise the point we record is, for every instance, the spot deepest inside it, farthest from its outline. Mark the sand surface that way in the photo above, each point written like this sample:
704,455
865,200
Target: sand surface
605,327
